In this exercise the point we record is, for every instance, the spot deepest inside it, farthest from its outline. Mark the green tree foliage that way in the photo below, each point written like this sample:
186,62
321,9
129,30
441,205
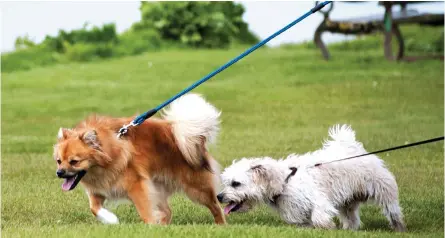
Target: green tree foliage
197,24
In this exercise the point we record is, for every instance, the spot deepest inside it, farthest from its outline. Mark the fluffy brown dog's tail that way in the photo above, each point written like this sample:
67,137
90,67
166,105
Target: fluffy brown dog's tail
195,124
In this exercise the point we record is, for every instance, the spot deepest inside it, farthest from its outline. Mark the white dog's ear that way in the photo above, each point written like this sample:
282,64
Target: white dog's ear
90,138
269,178
260,173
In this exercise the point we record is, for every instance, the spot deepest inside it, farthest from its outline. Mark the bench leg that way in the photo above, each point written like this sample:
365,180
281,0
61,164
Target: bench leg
319,42
388,29
399,38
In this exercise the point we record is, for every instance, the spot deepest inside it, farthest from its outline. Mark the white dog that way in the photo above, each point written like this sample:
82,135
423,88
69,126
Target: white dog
309,195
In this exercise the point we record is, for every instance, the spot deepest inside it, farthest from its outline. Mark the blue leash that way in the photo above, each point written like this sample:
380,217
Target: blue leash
144,116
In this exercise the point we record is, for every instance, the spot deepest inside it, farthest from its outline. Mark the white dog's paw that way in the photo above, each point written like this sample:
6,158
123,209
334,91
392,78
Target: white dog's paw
106,217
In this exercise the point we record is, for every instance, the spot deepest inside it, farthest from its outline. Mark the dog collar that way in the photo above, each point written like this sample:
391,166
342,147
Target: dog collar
273,201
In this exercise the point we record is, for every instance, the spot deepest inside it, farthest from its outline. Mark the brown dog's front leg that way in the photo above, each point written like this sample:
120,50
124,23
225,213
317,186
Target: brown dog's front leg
102,214
139,196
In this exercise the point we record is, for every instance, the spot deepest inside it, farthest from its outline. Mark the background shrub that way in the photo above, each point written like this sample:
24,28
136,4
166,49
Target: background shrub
24,59
96,35
23,42
136,42
87,51
197,24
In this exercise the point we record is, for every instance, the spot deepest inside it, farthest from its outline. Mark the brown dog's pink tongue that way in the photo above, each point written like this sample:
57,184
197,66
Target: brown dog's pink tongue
229,208
67,184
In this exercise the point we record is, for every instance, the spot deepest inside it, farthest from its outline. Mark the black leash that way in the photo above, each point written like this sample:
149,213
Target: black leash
294,171
385,150
273,201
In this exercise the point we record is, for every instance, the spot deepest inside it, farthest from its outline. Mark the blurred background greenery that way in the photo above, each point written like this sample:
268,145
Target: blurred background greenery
179,25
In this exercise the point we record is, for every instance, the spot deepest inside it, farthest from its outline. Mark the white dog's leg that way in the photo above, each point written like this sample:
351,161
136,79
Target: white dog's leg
393,212
349,216
322,217
343,216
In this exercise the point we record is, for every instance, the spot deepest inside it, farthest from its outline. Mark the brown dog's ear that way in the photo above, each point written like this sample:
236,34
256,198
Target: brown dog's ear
64,133
90,138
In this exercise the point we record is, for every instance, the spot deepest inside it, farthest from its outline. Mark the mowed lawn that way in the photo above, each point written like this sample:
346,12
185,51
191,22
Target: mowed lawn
274,102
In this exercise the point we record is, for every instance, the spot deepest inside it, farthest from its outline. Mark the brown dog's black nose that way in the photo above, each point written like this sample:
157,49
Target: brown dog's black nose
60,172
220,197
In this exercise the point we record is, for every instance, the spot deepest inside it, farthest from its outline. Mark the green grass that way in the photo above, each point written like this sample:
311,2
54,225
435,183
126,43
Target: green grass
274,102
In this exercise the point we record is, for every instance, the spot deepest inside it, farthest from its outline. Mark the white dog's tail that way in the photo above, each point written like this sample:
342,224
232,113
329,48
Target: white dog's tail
342,135
195,123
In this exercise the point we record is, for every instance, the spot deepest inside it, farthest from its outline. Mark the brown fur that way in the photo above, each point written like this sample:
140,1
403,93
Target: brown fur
144,166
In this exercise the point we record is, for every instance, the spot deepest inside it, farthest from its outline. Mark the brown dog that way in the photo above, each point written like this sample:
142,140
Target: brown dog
147,164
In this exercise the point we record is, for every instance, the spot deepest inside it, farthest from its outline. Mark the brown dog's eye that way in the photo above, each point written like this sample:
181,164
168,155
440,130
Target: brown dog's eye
59,161
235,184
73,162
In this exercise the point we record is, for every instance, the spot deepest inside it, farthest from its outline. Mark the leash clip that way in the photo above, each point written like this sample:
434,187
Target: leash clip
124,129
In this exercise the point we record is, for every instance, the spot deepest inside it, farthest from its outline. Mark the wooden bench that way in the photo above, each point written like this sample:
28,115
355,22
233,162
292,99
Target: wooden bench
388,23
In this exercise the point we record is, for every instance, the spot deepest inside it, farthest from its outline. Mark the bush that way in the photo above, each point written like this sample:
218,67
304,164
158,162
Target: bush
24,59
132,43
197,24
129,43
23,42
80,45
96,35
87,51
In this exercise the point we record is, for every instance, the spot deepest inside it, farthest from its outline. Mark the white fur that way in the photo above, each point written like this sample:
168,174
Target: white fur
60,134
314,195
106,217
193,119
